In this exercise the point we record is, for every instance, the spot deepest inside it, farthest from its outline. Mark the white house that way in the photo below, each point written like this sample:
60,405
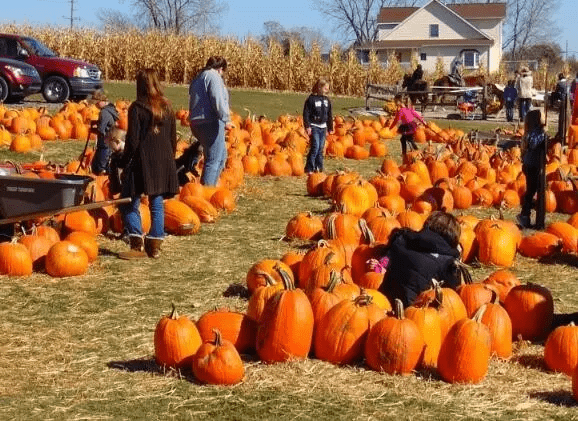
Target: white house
471,32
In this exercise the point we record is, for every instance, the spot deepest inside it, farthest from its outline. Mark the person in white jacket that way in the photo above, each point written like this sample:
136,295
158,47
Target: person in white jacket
209,116
525,88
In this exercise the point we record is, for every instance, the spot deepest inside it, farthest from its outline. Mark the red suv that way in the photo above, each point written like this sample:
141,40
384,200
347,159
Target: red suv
17,80
62,78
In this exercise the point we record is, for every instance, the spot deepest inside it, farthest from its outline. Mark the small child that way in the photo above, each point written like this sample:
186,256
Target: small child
318,120
107,118
510,96
533,161
407,116
188,161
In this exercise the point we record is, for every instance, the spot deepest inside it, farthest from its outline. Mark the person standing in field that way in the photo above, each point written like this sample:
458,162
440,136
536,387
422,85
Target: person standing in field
209,116
107,118
318,120
407,117
525,88
510,95
149,164
533,148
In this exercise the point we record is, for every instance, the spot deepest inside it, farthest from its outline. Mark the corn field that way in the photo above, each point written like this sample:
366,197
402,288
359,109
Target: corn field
178,58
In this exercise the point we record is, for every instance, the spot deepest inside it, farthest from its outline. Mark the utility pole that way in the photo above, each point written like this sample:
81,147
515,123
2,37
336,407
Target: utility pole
71,18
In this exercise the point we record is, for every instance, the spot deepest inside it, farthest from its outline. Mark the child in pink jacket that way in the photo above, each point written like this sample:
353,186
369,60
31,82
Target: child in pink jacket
407,117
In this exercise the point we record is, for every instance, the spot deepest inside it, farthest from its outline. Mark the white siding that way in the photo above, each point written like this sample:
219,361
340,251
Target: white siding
417,25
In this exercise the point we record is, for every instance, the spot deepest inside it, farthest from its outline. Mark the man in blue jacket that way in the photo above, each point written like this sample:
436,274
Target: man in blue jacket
209,116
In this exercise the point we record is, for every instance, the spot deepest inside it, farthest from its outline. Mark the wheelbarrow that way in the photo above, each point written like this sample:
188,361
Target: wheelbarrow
24,199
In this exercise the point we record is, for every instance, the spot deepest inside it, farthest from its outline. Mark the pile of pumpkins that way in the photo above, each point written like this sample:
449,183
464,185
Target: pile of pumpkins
65,252
310,307
25,130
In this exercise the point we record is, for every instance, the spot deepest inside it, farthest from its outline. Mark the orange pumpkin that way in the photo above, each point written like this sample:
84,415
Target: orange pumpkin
218,362
66,259
15,259
176,340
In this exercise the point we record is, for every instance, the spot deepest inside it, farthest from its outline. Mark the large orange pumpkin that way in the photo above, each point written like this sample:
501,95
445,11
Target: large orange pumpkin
286,331
176,340
66,259
465,352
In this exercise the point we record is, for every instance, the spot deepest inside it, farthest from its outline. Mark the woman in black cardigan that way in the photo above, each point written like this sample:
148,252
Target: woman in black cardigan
149,164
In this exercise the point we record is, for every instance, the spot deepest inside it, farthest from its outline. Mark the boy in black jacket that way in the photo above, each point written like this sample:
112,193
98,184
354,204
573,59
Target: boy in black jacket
318,120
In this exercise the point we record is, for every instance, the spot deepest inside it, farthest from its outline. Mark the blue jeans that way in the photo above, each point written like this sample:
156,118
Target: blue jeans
212,137
524,107
510,110
132,220
314,160
101,157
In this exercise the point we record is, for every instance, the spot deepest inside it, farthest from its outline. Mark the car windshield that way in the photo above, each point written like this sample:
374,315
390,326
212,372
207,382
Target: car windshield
38,48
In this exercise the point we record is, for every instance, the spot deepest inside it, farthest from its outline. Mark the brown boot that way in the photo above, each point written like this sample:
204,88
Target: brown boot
153,247
135,252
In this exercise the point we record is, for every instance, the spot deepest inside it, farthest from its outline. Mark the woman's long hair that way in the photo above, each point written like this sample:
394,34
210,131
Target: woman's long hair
149,92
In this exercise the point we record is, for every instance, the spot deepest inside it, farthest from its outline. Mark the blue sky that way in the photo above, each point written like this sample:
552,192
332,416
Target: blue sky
242,18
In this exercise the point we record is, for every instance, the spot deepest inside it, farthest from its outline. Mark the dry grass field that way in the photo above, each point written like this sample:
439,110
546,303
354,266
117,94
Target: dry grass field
81,348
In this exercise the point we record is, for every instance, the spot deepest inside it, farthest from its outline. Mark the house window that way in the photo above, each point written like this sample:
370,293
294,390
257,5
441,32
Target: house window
423,56
471,59
434,30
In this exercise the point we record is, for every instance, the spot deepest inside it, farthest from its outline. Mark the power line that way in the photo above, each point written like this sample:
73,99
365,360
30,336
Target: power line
72,18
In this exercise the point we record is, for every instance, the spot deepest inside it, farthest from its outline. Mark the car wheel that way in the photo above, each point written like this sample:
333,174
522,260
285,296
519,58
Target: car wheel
55,89
3,90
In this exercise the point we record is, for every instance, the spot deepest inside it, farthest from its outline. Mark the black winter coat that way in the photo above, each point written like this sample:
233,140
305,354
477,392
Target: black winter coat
149,154
317,110
414,259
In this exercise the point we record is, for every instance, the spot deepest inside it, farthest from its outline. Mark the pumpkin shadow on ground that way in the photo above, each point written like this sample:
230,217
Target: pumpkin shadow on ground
560,259
148,365
237,289
107,252
531,361
556,397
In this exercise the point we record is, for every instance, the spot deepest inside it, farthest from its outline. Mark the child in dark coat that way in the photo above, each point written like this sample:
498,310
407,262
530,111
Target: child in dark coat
107,118
415,258
533,161
510,96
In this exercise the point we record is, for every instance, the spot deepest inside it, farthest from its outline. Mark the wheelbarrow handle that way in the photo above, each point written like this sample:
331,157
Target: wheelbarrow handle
86,206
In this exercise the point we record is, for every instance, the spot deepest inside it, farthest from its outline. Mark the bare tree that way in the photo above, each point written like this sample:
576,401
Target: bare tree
115,20
529,22
199,16
303,35
357,19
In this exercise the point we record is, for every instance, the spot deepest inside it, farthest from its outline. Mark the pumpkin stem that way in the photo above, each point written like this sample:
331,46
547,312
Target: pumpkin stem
480,313
363,299
331,226
335,278
287,282
398,309
269,280
218,337
438,292
328,258
367,234
174,315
